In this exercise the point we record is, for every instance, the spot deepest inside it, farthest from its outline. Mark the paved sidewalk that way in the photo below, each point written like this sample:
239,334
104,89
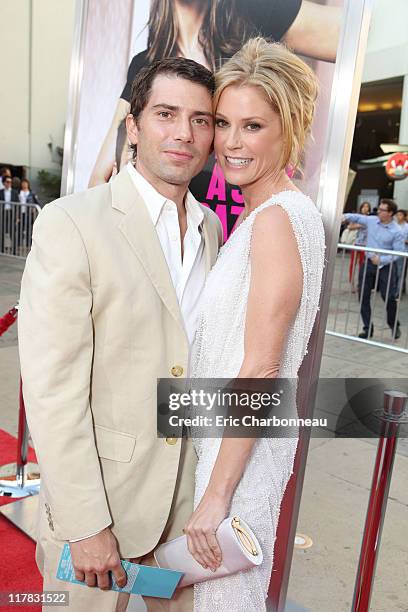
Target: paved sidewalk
332,513
344,316
335,494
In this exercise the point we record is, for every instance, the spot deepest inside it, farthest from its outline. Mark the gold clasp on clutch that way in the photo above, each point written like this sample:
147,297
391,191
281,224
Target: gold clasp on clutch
244,537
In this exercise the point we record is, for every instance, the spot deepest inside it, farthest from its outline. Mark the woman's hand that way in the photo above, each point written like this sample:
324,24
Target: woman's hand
200,530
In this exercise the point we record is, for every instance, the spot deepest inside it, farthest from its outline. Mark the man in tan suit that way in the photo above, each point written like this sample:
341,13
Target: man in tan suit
108,304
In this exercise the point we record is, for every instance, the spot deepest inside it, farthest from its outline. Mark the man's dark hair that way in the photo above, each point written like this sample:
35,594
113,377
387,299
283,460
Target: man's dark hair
391,205
4,170
178,66
404,212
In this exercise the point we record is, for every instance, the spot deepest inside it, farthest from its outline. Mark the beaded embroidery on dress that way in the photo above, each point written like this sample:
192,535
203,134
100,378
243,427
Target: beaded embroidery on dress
218,352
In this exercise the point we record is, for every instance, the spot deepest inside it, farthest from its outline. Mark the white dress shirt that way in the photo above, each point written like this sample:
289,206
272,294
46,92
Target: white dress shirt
22,196
187,273
7,198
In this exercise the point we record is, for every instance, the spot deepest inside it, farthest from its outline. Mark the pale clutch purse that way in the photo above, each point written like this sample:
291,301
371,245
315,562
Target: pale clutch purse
239,546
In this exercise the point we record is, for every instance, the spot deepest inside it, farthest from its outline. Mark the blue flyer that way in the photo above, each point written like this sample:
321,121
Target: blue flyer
141,579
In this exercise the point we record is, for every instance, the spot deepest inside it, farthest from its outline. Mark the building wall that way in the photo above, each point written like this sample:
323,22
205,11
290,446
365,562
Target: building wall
52,33
387,57
38,41
14,99
387,48
33,106
389,20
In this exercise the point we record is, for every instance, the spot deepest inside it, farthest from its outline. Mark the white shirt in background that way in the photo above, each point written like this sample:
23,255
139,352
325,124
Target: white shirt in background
7,198
404,229
22,196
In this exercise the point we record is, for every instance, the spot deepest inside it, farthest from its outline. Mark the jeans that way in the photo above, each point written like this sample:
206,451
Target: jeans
369,283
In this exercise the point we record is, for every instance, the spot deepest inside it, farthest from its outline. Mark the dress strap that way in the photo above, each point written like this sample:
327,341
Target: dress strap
283,198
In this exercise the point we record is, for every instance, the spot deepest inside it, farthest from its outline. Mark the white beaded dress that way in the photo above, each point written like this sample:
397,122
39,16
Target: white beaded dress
218,352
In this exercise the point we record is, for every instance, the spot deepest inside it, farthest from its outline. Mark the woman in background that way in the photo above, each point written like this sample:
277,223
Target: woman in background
25,215
402,262
361,240
210,31
26,196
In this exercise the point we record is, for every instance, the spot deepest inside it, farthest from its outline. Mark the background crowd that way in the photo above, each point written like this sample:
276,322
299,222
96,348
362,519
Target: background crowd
14,189
16,217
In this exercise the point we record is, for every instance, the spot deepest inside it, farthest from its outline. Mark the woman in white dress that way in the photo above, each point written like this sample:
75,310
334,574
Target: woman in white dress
258,306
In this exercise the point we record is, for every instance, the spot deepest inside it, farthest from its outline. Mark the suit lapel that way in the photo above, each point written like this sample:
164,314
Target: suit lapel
139,231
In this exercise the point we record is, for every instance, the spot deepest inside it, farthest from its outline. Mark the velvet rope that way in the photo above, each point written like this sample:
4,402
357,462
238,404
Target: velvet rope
7,321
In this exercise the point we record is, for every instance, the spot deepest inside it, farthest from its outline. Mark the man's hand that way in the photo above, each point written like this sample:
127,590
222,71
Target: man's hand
94,557
375,259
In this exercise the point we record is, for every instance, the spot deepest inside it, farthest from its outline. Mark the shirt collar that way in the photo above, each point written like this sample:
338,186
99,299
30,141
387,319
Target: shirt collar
194,211
386,225
155,201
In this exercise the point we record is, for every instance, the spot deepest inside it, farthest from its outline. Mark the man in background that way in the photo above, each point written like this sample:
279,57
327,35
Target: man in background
4,171
8,195
382,233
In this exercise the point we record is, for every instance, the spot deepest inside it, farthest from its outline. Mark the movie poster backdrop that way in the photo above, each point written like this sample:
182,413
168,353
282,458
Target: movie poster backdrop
123,36
115,39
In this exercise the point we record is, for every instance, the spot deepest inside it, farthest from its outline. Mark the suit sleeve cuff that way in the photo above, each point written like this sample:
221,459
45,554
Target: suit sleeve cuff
90,535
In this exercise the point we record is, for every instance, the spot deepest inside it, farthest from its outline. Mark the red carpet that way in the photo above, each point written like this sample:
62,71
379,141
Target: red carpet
8,449
18,570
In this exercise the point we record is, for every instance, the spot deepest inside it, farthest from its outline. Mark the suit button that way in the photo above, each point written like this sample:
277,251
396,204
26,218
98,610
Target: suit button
177,370
171,441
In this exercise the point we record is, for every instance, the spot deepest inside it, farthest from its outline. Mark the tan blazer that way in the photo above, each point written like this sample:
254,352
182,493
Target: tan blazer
99,322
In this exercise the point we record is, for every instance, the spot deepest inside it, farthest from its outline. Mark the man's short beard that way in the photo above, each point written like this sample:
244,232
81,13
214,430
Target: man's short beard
173,180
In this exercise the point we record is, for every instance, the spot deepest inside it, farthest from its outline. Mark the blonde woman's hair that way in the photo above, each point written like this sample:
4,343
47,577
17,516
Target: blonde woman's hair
287,81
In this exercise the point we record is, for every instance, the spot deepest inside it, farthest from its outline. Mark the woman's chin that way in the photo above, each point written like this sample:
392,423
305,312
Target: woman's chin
234,177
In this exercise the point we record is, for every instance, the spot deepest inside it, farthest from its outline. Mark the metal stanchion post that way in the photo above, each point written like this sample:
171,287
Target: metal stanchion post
22,441
18,487
393,414
22,512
